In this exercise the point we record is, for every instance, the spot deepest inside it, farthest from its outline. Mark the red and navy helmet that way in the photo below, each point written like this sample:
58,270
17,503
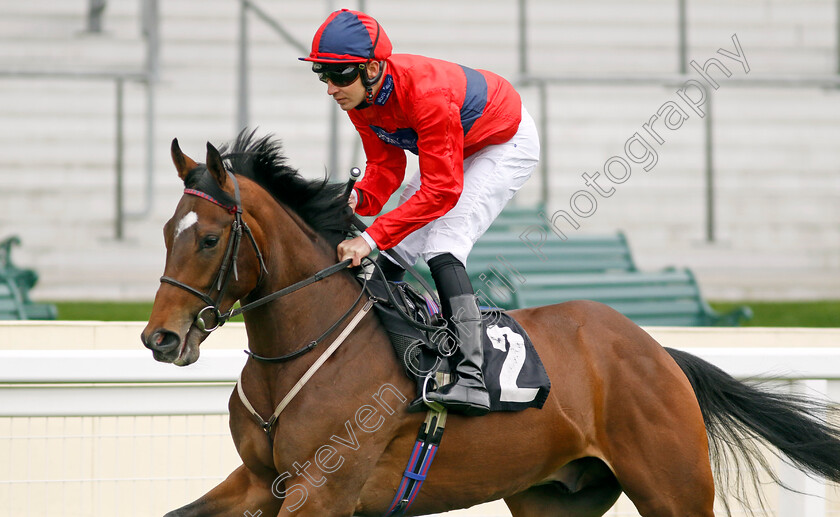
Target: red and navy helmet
349,37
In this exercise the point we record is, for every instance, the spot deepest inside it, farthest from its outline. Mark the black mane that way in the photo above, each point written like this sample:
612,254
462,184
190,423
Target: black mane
320,204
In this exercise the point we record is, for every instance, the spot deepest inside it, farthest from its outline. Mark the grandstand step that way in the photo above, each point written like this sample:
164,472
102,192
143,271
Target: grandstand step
774,158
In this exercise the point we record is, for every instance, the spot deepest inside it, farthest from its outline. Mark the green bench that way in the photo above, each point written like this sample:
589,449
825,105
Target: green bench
15,284
519,245
670,297
577,254
496,267
519,262
501,261
516,219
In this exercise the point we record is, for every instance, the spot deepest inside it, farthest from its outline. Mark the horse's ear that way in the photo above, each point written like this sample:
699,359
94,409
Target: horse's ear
215,165
183,163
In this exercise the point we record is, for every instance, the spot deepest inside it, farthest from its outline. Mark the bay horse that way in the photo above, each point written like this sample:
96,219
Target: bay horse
624,414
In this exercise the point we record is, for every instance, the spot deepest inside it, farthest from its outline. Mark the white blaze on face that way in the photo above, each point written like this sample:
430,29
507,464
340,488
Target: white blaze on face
187,221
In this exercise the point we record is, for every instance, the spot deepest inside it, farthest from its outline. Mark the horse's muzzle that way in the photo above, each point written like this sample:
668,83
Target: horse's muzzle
164,344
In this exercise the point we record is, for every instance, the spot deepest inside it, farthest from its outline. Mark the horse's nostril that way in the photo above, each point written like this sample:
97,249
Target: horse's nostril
162,341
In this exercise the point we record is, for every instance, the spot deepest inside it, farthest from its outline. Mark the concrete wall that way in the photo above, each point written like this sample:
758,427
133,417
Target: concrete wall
778,222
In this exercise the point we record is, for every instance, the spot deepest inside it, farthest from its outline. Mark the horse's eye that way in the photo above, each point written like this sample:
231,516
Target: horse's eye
209,242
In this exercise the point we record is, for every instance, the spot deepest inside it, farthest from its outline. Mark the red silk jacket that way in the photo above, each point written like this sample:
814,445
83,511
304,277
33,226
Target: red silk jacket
442,112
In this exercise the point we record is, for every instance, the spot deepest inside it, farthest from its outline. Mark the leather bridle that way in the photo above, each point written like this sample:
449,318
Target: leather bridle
228,265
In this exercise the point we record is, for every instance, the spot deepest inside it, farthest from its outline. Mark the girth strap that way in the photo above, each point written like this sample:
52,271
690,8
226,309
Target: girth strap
425,447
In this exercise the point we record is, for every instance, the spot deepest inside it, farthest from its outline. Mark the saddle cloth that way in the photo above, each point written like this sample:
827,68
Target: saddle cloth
513,372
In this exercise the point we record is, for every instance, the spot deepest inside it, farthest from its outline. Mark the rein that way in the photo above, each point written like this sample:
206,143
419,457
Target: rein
312,344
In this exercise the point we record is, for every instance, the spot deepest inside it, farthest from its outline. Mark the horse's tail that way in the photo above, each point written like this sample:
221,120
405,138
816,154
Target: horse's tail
737,415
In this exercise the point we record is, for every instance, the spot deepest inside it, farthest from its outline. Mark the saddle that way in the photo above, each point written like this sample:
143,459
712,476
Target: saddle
513,372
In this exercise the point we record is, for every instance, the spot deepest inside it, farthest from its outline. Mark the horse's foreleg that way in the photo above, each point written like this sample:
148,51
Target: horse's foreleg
313,503
242,493
312,495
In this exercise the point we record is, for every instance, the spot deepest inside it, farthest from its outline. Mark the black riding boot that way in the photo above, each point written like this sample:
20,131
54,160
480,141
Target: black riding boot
467,395
460,308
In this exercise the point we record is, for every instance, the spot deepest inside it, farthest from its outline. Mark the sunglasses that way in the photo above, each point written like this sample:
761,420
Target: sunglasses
343,75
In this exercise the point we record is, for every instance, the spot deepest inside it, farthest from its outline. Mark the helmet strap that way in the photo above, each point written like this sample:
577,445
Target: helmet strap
371,82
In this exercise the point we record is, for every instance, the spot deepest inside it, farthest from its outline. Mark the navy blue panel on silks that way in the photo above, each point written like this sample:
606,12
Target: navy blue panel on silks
513,372
475,98
385,91
404,138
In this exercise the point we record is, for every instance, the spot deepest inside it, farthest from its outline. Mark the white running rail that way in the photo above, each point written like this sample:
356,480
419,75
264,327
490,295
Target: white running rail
94,428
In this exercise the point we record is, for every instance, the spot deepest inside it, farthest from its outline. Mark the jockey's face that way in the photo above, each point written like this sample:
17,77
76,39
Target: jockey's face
350,96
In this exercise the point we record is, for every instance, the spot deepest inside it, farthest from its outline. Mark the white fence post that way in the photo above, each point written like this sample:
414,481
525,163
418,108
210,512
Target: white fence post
809,496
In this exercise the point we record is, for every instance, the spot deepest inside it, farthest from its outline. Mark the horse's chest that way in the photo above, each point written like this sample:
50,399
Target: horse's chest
252,443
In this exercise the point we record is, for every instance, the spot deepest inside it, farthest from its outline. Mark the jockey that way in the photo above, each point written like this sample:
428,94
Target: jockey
476,145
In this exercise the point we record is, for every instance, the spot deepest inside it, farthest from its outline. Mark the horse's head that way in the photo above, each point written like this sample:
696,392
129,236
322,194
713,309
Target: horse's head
206,269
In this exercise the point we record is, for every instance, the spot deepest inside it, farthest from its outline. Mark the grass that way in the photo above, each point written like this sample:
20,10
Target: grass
767,314
107,311
788,314
104,311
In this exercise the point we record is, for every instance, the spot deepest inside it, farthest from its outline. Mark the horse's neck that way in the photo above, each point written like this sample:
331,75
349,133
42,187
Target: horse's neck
292,321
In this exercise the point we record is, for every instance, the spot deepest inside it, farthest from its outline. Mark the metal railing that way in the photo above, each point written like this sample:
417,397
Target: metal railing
147,77
542,82
243,91
243,83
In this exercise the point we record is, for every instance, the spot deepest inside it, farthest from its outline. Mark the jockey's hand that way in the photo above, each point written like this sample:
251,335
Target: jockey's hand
353,200
356,248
